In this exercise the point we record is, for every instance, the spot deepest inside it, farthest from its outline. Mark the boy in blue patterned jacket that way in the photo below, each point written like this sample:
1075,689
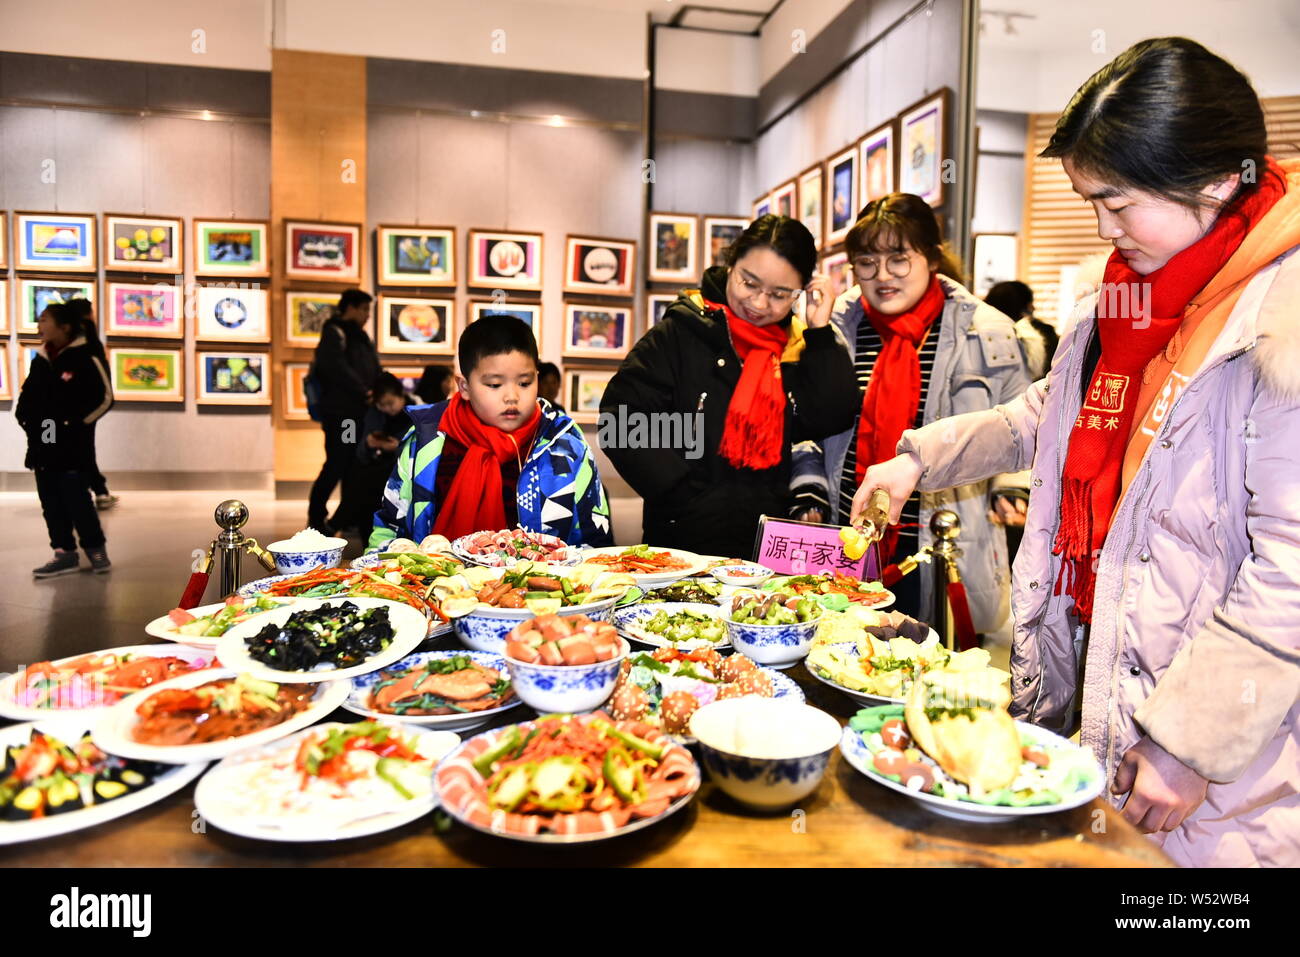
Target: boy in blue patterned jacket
493,456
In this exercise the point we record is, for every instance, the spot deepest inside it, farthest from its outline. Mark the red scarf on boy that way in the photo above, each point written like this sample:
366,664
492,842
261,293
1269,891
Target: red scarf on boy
893,393
474,502
755,425
1137,317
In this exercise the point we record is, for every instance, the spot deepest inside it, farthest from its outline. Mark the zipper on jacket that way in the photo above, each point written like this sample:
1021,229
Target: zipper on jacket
1128,548
699,406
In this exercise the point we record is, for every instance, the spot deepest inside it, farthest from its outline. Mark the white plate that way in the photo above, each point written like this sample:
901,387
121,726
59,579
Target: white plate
362,684
857,753
862,697
572,554
112,732
437,626
628,621
772,585
213,801
10,708
696,565
70,732
374,561
162,627
410,628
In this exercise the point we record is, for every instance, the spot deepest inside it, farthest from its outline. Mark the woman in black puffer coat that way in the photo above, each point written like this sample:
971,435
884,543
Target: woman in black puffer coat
760,379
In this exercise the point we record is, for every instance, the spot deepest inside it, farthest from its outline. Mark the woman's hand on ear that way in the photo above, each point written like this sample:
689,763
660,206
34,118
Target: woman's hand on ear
820,301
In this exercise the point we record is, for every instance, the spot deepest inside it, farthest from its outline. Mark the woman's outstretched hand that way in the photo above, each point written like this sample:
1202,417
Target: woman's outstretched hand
898,477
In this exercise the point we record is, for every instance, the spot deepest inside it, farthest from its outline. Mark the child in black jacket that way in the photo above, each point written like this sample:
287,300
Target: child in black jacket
66,391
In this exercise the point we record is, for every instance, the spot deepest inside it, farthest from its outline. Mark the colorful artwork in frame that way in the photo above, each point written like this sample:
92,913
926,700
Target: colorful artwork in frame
55,242
147,375
505,260
144,310
761,206
232,378
35,294
656,304
305,313
597,332
783,199
812,193
601,266
232,312
147,244
876,164
295,397
4,241
6,385
323,252
719,233
836,266
673,241
529,312
27,354
416,255
416,325
841,194
231,248
922,148
585,388
4,307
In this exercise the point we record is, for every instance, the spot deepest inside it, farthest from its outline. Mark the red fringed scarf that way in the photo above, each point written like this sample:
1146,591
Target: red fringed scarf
1137,316
474,501
893,393
755,425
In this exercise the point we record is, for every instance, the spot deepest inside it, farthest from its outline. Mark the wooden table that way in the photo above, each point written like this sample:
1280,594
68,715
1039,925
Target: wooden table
848,822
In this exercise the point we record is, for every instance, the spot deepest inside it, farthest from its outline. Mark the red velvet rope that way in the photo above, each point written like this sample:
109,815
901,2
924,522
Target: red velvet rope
961,616
194,590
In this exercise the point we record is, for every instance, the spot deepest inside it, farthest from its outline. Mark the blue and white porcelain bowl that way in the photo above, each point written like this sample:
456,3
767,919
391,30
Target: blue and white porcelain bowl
742,574
765,753
777,646
295,561
566,689
485,628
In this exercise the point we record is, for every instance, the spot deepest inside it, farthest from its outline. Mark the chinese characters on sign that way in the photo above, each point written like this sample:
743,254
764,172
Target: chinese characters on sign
802,548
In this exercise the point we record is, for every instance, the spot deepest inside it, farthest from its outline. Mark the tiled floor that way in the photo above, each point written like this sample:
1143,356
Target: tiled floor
152,540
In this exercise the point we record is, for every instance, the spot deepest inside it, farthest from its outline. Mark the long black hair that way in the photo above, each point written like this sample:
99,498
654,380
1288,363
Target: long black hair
1168,117
785,236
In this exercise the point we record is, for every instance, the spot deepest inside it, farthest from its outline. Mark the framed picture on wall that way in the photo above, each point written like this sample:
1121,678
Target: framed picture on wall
304,315
719,233
922,148
656,304
836,266
409,376
294,402
230,312
783,199
4,307
673,241
144,310
996,259
35,294
225,247
417,325
597,332
876,163
505,260
147,375
583,393
529,312
26,356
416,255
55,242
232,378
323,252
4,240
6,382
841,194
812,192
760,207
601,266
149,244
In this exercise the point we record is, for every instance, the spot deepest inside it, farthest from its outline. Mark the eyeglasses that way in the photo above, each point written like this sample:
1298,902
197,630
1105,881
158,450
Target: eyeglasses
898,265
778,297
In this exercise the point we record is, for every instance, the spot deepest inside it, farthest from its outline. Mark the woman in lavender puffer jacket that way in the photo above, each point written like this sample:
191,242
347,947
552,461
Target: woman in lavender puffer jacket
1184,650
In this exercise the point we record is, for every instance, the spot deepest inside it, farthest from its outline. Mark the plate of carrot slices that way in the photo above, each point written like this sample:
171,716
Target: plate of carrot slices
566,779
650,566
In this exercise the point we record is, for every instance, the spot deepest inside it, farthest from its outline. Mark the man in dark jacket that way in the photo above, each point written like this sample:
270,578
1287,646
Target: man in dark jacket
346,366
65,393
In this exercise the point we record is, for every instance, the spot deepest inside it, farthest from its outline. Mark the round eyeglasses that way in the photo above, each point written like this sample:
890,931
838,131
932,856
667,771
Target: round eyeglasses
897,264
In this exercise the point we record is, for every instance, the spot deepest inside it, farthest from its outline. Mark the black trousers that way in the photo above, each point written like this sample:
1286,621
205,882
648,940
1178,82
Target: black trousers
67,506
98,484
339,456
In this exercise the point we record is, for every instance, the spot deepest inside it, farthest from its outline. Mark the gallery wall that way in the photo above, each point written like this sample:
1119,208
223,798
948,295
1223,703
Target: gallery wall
132,146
